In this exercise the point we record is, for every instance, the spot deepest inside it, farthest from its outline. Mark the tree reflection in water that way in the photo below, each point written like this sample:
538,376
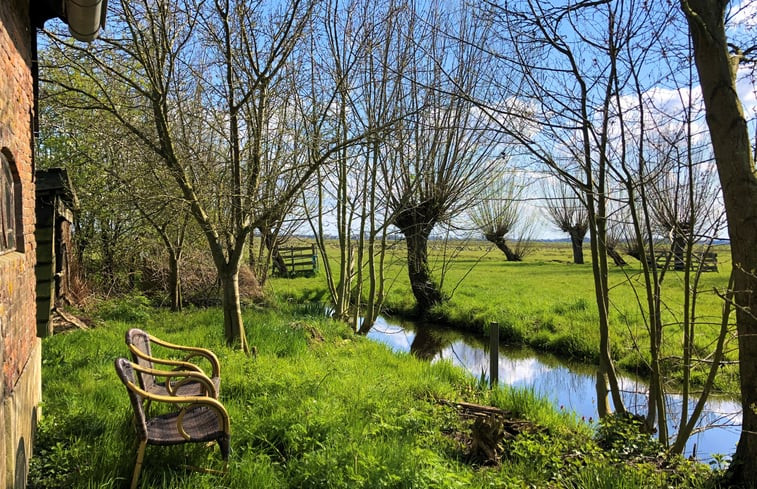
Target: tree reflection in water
569,385
428,344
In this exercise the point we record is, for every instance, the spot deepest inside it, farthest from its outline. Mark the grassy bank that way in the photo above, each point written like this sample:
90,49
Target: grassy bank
317,408
548,303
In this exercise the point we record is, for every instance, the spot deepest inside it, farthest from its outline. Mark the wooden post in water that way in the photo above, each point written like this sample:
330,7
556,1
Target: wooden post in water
493,354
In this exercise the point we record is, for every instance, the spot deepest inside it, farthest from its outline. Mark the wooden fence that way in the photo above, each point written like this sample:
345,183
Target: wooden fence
707,262
295,260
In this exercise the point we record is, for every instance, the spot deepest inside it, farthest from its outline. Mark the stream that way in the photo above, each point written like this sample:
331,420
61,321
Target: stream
569,385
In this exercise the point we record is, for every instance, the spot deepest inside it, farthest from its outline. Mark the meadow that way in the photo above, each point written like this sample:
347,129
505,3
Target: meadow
319,407
548,303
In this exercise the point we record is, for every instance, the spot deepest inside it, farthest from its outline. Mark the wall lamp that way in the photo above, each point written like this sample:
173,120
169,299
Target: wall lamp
85,18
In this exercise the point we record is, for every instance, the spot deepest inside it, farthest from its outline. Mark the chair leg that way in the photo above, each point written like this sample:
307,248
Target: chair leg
138,465
223,444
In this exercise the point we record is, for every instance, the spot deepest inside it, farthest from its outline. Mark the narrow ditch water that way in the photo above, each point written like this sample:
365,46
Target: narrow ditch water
569,385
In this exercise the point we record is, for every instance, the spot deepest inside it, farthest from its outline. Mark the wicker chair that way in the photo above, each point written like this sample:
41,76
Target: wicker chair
140,344
197,420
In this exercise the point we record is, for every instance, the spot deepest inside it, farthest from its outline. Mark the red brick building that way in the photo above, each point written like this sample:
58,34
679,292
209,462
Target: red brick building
20,350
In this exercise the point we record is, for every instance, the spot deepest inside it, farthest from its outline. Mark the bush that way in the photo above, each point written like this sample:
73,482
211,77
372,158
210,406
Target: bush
623,437
199,280
132,308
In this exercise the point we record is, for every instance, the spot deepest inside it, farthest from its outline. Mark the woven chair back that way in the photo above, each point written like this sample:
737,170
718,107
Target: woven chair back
126,374
141,341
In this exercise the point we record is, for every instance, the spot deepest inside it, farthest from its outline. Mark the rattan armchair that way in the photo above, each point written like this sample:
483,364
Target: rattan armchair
196,419
140,344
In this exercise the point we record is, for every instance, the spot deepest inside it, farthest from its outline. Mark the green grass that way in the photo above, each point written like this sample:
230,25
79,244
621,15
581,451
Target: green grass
325,410
548,303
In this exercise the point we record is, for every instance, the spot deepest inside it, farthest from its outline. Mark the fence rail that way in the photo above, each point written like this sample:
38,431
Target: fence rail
295,260
707,262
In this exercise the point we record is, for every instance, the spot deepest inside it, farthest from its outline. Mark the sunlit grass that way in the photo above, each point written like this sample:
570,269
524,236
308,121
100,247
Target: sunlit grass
549,303
317,407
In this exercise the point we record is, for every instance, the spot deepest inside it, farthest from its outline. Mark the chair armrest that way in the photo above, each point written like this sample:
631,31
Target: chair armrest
193,351
184,376
178,364
223,416
190,401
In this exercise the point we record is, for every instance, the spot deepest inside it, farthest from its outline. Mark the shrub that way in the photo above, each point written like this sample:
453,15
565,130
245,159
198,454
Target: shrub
132,308
622,436
199,280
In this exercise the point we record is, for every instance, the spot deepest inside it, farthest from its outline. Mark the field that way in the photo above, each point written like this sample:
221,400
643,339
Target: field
548,303
319,407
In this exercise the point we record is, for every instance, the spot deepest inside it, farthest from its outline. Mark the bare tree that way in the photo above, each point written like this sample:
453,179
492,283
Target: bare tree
684,196
576,77
444,155
640,123
285,148
348,32
569,77
366,46
568,213
497,215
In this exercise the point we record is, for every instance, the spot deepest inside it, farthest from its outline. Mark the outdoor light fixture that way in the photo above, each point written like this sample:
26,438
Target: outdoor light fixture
85,18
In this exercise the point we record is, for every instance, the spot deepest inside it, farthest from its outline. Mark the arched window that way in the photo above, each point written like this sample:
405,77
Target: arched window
7,206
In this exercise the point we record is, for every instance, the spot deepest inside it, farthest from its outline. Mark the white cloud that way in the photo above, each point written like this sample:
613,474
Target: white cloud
744,15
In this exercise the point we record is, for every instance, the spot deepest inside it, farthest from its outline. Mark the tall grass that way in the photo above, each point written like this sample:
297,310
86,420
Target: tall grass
316,408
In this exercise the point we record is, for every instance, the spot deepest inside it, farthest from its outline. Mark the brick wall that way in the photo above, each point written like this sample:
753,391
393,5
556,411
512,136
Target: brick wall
20,349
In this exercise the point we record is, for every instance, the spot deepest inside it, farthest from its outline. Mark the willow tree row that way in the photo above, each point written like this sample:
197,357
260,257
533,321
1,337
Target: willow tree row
606,82
431,155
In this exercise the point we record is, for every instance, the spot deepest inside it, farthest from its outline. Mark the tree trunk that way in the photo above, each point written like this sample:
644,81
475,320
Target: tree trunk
616,258
606,374
686,430
232,312
733,156
376,282
278,261
174,282
678,246
500,243
107,243
425,289
577,241
603,402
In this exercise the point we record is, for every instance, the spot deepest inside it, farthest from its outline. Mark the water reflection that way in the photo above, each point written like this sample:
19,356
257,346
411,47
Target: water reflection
569,385
426,345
